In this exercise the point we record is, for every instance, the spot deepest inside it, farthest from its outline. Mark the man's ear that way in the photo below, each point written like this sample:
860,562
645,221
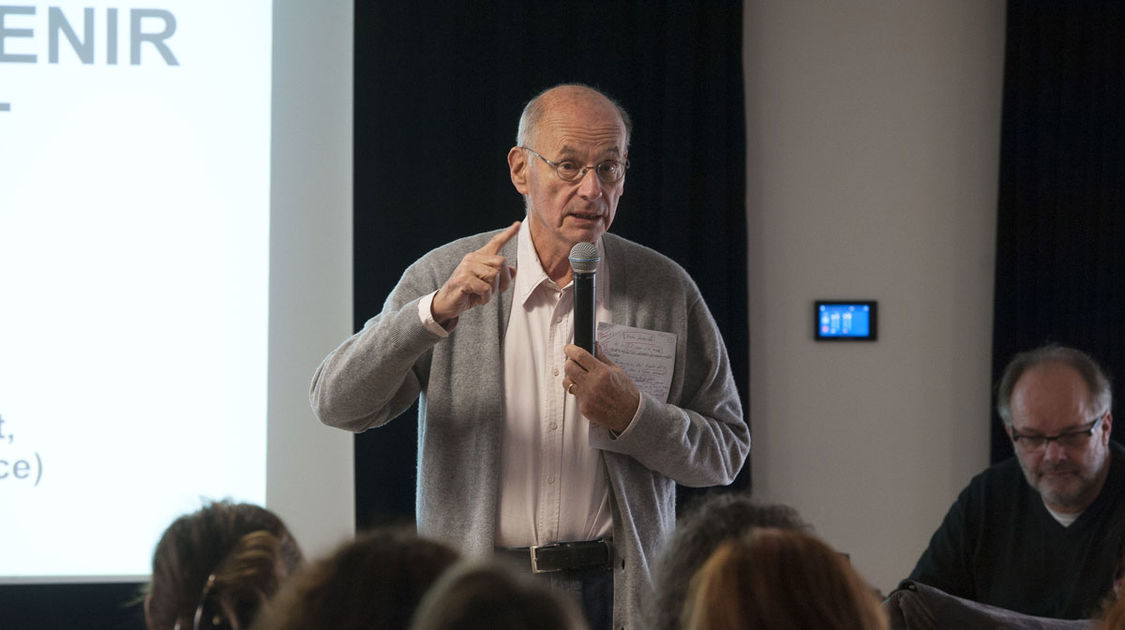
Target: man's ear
624,158
1107,425
517,169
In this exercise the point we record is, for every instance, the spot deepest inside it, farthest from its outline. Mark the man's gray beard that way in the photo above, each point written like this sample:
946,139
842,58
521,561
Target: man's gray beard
1076,499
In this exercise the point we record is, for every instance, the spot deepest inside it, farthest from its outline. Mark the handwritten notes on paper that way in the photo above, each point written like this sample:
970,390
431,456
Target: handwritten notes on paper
647,356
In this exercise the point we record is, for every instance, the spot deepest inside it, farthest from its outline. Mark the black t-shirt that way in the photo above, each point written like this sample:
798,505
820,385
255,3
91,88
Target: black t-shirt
999,545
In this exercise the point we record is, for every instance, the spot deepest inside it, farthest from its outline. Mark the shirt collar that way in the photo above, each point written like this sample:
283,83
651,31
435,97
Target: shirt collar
530,274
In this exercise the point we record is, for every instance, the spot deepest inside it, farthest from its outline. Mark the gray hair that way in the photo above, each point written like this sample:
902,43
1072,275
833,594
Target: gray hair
535,108
1101,392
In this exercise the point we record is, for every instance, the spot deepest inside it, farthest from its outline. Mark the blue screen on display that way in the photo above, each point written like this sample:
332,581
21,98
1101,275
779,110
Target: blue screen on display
845,320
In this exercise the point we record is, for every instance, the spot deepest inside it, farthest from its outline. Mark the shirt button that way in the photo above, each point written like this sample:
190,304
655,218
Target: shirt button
550,479
553,426
555,372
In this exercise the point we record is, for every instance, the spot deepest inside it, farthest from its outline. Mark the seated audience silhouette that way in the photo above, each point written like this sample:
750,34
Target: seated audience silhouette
1037,533
215,567
493,595
706,523
775,578
373,581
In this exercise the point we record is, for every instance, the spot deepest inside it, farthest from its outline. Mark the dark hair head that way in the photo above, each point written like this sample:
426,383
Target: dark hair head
373,581
226,559
707,522
774,578
1101,393
492,595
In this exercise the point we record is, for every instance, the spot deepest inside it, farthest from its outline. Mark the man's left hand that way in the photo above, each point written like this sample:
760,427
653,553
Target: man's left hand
605,393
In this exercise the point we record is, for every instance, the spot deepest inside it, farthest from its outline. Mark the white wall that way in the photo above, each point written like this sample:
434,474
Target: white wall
873,141
310,472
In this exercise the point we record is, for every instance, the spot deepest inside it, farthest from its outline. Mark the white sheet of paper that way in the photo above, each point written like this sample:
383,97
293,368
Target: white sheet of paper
647,356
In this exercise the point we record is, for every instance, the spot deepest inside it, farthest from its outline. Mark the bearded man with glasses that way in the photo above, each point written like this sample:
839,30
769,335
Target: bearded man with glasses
1039,533
529,445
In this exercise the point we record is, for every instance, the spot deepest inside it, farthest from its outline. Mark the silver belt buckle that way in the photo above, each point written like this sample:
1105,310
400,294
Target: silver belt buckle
535,559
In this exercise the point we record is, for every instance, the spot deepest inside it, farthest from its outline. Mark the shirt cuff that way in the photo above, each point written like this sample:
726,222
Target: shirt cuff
633,422
426,314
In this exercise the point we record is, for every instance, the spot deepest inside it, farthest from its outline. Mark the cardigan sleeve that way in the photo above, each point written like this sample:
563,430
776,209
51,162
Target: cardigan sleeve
377,373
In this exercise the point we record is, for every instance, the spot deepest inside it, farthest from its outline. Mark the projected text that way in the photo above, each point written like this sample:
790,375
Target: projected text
22,33
15,467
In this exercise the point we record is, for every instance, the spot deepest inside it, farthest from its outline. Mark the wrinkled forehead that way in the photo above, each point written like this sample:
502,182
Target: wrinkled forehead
581,125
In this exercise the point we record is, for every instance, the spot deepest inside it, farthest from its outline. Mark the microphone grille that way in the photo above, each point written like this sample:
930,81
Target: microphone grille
584,258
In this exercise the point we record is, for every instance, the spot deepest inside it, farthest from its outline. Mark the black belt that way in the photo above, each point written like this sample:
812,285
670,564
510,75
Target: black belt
563,556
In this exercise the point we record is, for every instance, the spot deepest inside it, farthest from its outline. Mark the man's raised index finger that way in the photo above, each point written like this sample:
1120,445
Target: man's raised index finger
497,242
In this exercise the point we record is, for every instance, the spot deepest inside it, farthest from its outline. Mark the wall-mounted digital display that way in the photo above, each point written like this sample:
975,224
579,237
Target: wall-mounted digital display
845,320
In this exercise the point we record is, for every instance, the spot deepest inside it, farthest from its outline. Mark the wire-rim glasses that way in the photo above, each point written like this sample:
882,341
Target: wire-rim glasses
608,171
1067,439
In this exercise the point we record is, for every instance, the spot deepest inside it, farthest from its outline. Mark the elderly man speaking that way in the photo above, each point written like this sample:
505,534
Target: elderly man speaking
529,445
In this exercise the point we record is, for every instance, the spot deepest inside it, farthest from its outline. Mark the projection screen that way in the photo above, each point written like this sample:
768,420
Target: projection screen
139,305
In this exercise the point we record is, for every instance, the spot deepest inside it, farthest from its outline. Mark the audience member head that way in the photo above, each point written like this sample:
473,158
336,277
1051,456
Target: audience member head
1113,604
776,578
373,581
708,522
215,567
1114,618
492,595
1100,393
1055,403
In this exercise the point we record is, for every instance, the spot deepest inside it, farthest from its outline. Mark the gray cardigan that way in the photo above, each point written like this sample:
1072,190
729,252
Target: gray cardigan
697,437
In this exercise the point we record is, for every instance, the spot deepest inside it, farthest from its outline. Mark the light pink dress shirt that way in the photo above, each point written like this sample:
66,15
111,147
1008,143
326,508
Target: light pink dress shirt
552,486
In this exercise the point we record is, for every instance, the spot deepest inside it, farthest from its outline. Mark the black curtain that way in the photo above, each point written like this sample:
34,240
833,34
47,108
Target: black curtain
1059,255
439,90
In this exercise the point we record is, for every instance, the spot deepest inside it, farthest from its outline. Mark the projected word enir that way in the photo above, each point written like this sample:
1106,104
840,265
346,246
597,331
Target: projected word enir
22,31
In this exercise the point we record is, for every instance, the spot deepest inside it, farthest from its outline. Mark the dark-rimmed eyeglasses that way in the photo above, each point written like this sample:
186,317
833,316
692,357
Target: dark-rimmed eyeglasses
608,171
1067,439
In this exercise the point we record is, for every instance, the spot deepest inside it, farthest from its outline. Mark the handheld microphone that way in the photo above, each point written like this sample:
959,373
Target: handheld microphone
584,261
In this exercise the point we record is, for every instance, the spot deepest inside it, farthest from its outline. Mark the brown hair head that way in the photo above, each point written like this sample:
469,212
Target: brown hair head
492,595
373,581
223,560
708,521
773,578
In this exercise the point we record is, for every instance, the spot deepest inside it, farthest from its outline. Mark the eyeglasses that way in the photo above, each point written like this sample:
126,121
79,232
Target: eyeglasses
1069,439
609,171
